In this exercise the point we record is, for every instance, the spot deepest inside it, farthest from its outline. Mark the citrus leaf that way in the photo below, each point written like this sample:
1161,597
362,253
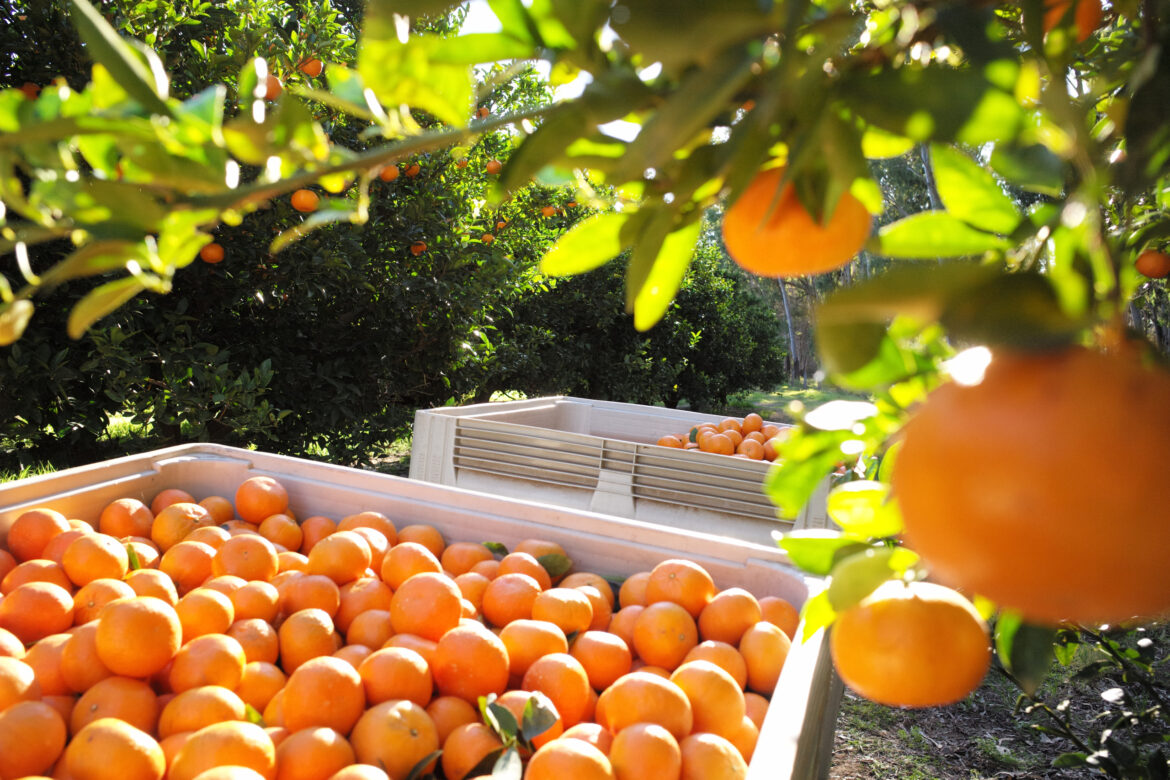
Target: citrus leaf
666,276
132,555
1024,649
971,193
877,144
419,769
251,714
856,576
935,234
589,244
1020,310
540,714
886,467
497,548
508,766
817,550
408,73
791,484
486,764
105,46
1034,168
863,509
14,319
555,564
817,613
99,302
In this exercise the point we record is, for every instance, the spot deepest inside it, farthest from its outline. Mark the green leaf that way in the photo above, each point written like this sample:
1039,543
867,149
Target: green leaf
420,769
817,613
877,144
99,302
508,766
477,48
540,714
251,714
497,548
864,509
1024,649
589,244
126,66
665,276
818,550
1034,168
317,219
132,555
555,564
1069,760
886,467
792,483
935,234
14,319
418,7
856,576
845,347
971,193
1019,310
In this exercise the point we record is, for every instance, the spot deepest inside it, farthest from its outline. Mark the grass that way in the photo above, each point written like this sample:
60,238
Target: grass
777,404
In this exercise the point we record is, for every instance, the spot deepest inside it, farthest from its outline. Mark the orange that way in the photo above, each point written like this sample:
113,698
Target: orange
110,749
389,173
342,556
283,530
137,637
259,683
466,747
188,564
360,772
642,697
126,517
204,611
312,754
323,692
169,496
10,646
424,647
18,682
1150,263
756,706
718,443
1027,506
516,701
753,449
728,615
44,658
373,520
418,247
32,736
413,170
212,535
680,581
723,655
922,645
708,756
314,529
36,570
34,529
227,584
396,673
35,610
258,497
235,743
715,696
548,211
488,569
567,608
768,232
593,733
602,608
509,597
395,736
622,623
562,678
406,559
312,591
256,599
257,637
272,87
459,557
123,698
353,654
212,659
751,422
449,713
744,735
211,253
633,590
306,635
292,561
525,563
311,67
370,628
764,648
220,508
671,440
780,613
604,656
80,666
198,708
173,522
527,640
426,535
89,600
7,562
564,758
249,556
493,167
539,547
664,633
304,201
427,604
472,586
378,545
1086,16
470,662
645,750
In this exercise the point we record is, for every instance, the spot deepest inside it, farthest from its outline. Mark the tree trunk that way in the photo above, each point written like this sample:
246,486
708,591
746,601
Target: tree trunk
791,333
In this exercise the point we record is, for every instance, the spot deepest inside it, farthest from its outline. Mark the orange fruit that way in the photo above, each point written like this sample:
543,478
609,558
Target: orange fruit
256,599
643,697
1086,16
449,713
212,535
1019,430
44,657
718,443
525,563
562,678
18,682
342,556
323,692
567,608
424,647
110,749
235,743
314,529
483,112
756,707
645,750
516,701
764,648
406,559
173,522
311,67
527,640
306,635
548,211
204,611
353,654
426,535
395,736
7,562
493,167
671,440
361,595
413,170
604,656
312,754
373,520
89,600
683,582
751,422
664,633
10,646
212,659
459,557
427,604
370,628
466,747
259,682
469,662
715,696
258,639
751,448
36,610
79,665
32,736
396,673
137,637
36,570
259,497
472,586
623,621
509,597
780,613
170,496
723,655
924,645
1151,263
564,758
311,591
418,247
219,507
744,736
198,708
272,87
360,772
728,615
283,530
389,173
126,517
32,530
768,232
211,253
126,699
602,608
593,733
708,756
249,556
188,564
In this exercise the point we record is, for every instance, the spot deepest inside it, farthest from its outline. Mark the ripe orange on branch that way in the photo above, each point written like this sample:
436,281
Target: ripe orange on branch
1040,486
1086,16
1153,264
312,67
212,253
769,233
305,200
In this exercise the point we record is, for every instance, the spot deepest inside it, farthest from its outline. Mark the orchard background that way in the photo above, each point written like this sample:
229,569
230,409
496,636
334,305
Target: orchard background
1014,158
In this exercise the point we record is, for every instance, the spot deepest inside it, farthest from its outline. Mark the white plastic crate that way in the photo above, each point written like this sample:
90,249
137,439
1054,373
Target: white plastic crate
601,456
797,736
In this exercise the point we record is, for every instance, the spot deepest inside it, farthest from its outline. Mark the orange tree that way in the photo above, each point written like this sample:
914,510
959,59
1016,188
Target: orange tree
1066,104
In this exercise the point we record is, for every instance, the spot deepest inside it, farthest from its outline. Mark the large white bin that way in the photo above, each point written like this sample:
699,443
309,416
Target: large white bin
601,456
796,739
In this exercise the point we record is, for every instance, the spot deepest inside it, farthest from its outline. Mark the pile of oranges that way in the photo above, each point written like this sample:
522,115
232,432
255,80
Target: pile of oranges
229,639
749,438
